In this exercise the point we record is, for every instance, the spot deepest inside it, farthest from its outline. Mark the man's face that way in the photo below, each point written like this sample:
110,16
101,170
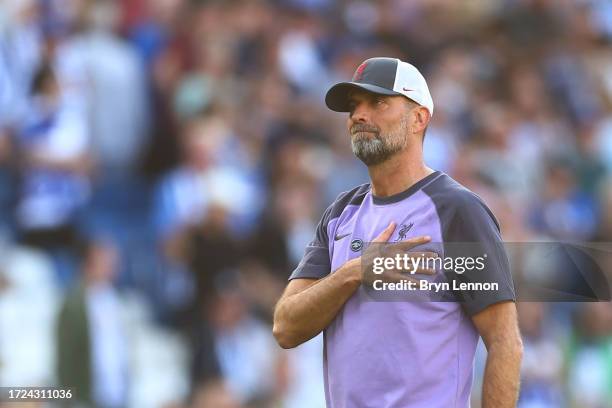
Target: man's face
378,125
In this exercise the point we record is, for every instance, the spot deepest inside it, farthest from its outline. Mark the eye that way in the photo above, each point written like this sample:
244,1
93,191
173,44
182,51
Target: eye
351,108
379,101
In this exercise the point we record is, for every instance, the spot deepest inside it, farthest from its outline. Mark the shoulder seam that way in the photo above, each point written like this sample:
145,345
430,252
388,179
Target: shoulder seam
346,198
459,198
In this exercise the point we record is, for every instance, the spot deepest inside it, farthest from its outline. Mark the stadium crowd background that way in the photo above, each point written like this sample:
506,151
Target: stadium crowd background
163,163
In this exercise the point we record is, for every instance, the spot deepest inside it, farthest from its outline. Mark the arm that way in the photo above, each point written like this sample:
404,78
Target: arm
81,164
308,305
498,326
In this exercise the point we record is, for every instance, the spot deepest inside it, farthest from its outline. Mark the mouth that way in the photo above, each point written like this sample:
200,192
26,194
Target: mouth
360,132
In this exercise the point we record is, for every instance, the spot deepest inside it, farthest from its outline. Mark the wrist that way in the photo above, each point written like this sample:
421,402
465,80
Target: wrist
351,272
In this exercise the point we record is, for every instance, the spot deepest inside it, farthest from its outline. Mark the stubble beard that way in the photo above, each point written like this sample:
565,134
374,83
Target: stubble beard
375,148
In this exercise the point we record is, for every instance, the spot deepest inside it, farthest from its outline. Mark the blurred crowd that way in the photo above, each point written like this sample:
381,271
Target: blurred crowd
163,164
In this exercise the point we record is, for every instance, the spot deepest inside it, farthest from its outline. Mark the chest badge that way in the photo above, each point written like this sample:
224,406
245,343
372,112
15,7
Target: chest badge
404,228
356,245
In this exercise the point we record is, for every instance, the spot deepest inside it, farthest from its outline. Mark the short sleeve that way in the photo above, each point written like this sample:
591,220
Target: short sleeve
315,263
473,232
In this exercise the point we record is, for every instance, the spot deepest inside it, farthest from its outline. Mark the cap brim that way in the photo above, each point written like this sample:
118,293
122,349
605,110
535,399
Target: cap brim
337,96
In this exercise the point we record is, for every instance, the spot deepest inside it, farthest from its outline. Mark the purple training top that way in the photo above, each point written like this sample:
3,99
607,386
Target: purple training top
404,354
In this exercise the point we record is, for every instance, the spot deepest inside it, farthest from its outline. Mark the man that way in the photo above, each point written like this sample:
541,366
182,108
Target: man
92,357
400,354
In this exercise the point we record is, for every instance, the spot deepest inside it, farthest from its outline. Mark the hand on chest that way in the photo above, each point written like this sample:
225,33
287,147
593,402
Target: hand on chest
356,229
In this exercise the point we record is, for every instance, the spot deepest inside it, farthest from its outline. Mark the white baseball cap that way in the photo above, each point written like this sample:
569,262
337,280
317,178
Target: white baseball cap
383,76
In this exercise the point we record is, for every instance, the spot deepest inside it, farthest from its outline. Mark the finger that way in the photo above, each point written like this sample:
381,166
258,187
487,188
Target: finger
420,270
424,271
413,242
404,247
424,255
386,234
394,249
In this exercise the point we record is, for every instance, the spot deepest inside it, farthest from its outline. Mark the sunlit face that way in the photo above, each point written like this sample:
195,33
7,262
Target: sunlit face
378,125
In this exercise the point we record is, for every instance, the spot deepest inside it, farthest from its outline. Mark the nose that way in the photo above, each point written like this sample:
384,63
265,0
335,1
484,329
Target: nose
360,113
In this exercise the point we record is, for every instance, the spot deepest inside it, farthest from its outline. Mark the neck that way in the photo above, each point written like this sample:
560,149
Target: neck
398,173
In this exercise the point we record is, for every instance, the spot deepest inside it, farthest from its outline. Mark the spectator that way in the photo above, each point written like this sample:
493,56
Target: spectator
214,394
541,383
91,336
54,145
244,347
590,368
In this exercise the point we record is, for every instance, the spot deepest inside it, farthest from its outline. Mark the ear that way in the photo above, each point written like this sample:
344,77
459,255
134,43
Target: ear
421,119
